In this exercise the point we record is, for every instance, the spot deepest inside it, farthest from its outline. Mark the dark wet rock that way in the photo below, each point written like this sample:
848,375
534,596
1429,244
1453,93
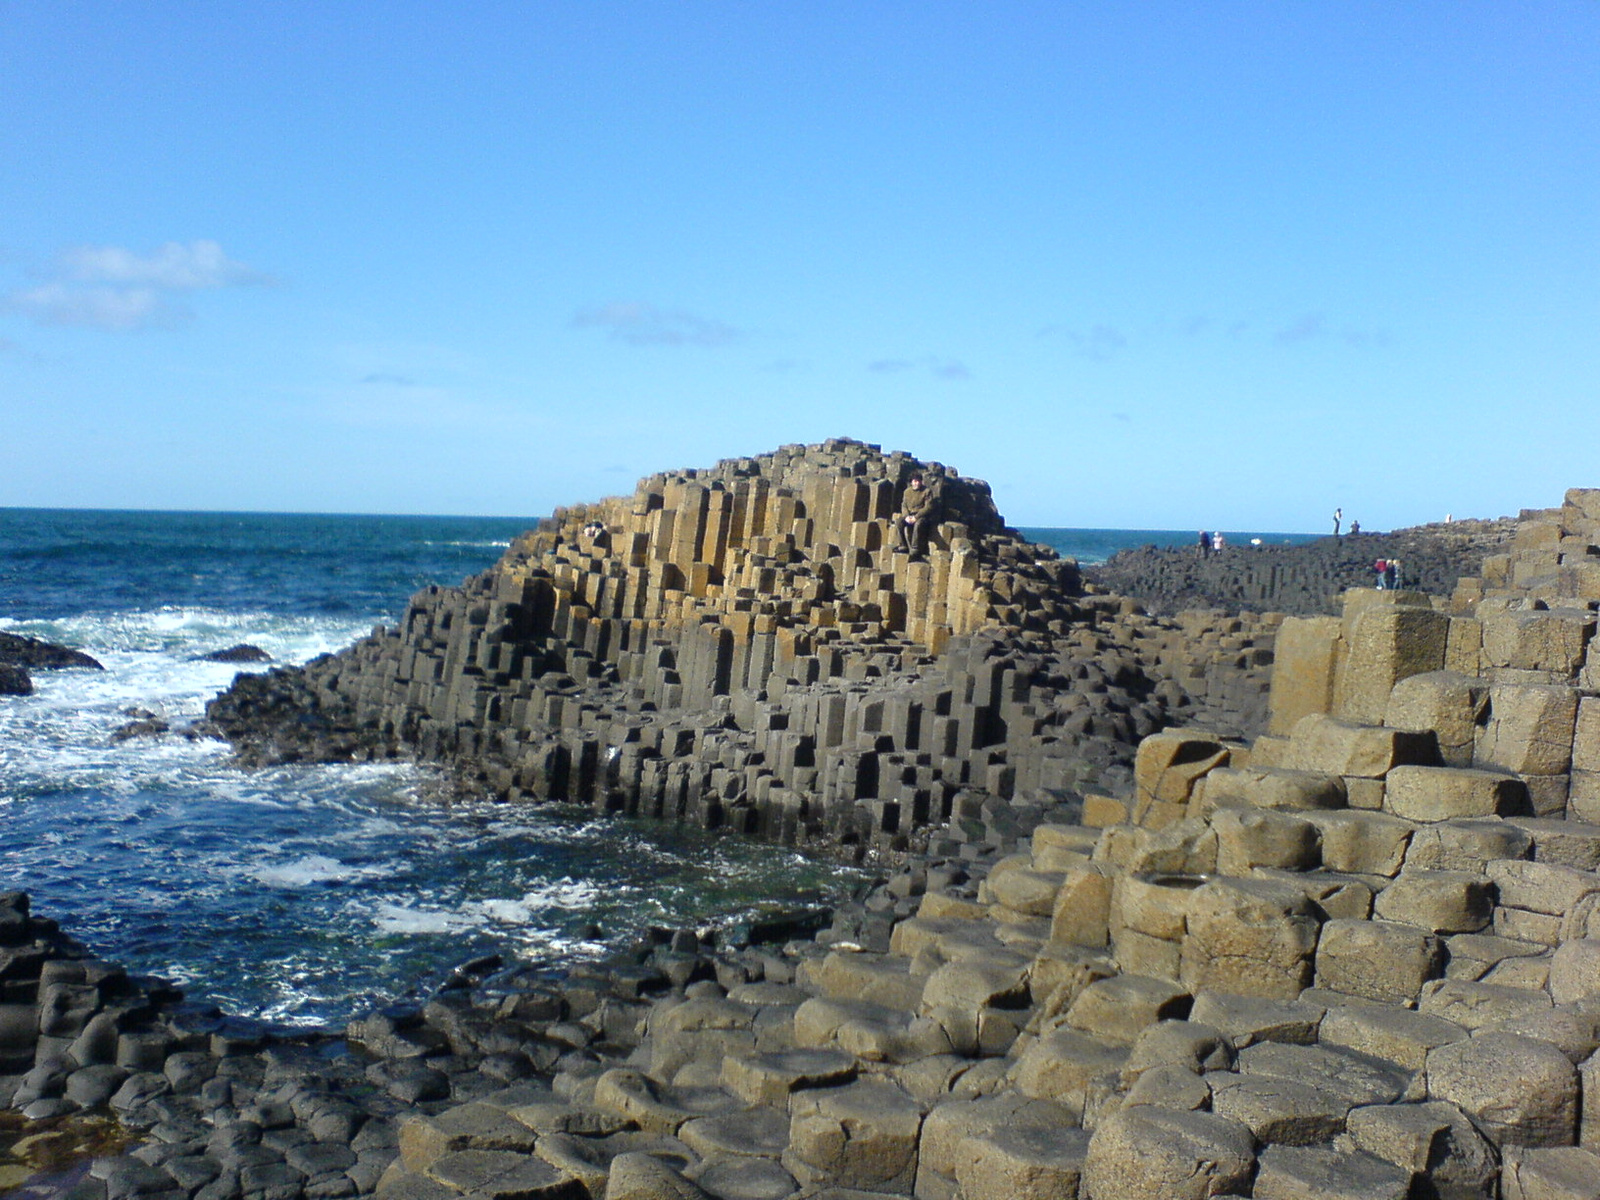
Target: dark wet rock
19,651
15,680
280,716
139,729
242,653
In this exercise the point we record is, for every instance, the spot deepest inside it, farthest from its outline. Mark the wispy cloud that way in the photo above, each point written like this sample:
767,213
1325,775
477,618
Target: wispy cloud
107,308
1302,329
1098,344
173,267
114,289
640,324
1314,326
941,368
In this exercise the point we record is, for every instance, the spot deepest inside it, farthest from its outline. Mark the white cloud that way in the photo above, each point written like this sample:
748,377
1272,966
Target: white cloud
173,267
114,289
641,324
96,307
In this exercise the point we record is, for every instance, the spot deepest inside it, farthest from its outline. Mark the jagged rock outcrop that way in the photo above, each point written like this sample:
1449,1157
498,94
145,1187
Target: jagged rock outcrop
19,655
747,646
32,653
1303,580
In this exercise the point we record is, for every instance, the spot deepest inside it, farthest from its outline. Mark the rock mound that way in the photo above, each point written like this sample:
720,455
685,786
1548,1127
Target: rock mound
1302,580
748,646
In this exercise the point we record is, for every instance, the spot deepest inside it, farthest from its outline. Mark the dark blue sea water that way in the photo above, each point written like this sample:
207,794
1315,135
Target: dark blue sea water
305,894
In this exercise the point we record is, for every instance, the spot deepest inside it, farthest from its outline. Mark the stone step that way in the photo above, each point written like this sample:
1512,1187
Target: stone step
884,979
870,1032
770,1078
657,1107
588,1159
863,1134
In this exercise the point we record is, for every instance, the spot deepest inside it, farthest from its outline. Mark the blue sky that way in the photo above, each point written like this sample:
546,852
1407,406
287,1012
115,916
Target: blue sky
1152,265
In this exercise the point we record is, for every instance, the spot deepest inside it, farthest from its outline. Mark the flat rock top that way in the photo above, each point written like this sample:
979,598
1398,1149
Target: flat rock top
1301,580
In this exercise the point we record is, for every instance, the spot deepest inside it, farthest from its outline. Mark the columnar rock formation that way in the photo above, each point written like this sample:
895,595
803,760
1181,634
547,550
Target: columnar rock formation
746,646
1356,956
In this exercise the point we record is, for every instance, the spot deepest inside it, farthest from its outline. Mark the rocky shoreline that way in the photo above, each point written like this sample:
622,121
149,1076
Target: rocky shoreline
1327,926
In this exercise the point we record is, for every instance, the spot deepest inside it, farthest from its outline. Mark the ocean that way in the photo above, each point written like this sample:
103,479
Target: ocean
306,895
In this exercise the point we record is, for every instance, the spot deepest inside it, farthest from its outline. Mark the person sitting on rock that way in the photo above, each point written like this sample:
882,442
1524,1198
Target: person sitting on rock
919,509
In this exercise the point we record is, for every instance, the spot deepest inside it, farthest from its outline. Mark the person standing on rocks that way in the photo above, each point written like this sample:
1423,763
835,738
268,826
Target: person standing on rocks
919,508
1381,570
1338,518
1205,544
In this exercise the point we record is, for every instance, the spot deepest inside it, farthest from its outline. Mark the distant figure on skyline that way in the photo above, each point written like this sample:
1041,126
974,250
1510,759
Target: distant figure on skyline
1355,528
1205,543
1218,541
1338,517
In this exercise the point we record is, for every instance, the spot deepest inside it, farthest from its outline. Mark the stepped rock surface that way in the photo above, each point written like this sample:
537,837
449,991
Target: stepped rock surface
1354,954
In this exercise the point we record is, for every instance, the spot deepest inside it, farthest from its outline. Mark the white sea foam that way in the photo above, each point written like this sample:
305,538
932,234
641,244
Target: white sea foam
295,893
312,869
394,917
185,632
